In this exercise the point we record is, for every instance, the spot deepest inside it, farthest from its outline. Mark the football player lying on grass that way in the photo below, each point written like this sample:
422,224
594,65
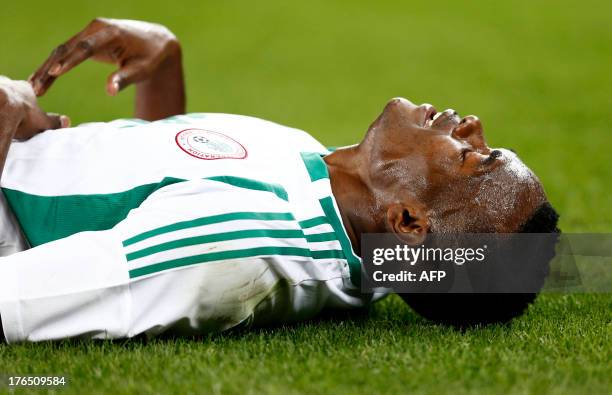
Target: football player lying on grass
203,222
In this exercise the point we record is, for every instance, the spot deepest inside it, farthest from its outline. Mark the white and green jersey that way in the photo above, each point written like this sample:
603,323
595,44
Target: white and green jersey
195,203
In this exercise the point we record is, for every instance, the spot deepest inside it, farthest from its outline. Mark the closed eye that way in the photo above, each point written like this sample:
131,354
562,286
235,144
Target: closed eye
464,153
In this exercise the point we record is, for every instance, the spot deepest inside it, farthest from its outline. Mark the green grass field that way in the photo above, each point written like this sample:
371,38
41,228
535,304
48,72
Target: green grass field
538,75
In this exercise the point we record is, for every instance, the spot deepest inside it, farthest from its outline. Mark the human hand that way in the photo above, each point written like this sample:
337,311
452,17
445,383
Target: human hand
20,115
139,49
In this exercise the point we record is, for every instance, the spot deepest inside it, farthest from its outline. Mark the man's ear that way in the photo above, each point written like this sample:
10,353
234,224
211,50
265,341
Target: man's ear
408,222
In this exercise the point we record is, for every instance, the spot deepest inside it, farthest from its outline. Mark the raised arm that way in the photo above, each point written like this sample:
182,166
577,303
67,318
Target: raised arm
147,54
20,116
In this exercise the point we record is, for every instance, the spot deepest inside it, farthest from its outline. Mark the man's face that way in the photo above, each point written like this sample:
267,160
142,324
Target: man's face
441,163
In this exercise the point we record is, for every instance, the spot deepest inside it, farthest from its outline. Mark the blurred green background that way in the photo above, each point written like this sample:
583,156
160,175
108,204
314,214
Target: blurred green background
538,73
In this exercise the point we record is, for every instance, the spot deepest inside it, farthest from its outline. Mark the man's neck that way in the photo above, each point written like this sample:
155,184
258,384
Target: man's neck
347,172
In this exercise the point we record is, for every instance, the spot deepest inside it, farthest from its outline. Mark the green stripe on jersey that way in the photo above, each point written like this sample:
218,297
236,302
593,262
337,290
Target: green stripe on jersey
317,169
312,222
327,254
218,256
354,263
213,219
318,237
47,218
248,183
211,238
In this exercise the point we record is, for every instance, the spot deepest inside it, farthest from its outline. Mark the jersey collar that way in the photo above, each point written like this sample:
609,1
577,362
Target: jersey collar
317,169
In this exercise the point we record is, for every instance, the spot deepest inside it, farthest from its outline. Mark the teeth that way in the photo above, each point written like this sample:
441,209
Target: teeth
429,121
436,116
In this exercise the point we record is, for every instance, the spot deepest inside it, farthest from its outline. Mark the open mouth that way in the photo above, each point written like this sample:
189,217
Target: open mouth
444,119
431,118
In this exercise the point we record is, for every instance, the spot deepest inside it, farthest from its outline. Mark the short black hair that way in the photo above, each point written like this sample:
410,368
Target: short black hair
464,310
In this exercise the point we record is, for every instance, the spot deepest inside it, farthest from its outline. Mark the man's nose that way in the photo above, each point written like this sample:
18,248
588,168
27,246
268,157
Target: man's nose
470,130
468,126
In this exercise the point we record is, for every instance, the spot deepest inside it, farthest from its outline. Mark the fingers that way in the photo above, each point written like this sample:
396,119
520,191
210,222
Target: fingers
69,55
79,53
41,81
64,120
40,120
37,121
81,50
130,73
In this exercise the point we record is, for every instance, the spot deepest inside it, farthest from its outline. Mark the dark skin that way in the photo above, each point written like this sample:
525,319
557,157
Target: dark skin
416,171
146,54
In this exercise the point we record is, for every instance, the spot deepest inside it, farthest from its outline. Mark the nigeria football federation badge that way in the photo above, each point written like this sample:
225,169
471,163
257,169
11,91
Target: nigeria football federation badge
206,144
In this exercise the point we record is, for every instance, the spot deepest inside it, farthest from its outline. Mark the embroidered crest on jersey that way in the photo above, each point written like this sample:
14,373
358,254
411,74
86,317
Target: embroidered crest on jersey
206,144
